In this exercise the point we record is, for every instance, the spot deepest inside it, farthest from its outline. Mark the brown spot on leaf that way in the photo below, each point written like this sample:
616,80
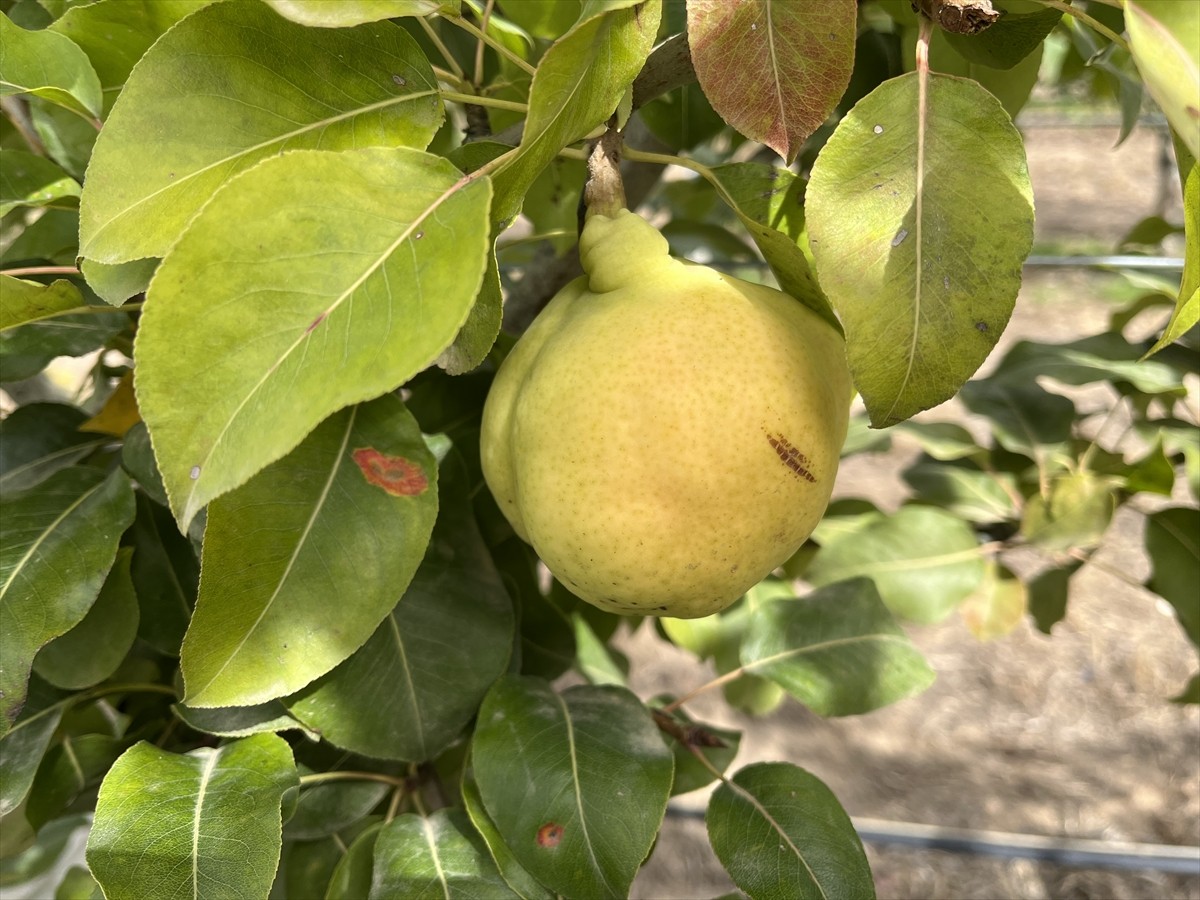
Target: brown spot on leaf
981,327
315,322
790,456
398,476
549,835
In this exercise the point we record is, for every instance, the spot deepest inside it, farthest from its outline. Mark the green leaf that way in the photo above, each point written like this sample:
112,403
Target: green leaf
838,651
964,489
49,66
542,18
1073,515
325,809
53,238
441,856
241,721
28,180
117,282
417,682
58,541
1173,544
781,834
39,439
596,661
71,767
924,561
78,884
204,824
773,71
1023,417
27,349
475,339
347,13
165,575
29,301
578,84
1011,86
1191,693
576,782
21,752
1101,357
227,87
115,34
998,606
68,139
1048,594
1012,38
372,259
941,440
346,515
39,858
769,202
920,218
92,650
351,879
513,873
1165,39
1187,306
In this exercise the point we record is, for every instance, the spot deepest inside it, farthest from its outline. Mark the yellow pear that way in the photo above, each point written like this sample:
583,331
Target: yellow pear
665,435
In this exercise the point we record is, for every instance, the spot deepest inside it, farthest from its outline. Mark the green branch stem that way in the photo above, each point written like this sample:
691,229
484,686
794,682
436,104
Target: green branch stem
435,39
493,43
479,45
493,102
351,775
1083,17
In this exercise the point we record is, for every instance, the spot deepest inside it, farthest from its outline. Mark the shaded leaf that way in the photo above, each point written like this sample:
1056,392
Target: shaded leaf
781,833
58,541
165,575
542,18
475,339
1191,693
719,746
27,349
578,84
53,238
346,13
417,682
1012,87
998,606
241,721
1074,514
919,221
773,70
351,879
439,856
1101,357
941,440
28,180
324,809
92,650
1048,594
1012,38
964,489
229,86
1165,39
39,439
1023,417
72,766
346,515
924,561
513,873
372,259
576,782
29,301
117,282
42,853
838,651
68,139
21,752
205,824
1173,544
119,412
49,66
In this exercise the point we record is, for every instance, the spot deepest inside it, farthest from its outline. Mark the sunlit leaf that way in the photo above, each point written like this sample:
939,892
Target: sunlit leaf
781,833
577,782
204,824
346,13
57,542
1073,514
29,301
964,489
1187,306
774,70
302,563
1100,357
49,66
28,180
435,857
920,215
998,606
924,561
227,87
1164,36
371,259
117,282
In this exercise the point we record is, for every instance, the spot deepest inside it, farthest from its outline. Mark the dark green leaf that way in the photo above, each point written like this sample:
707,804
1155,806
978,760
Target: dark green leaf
44,852
28,180
1191,693
38,440
1048,594
782,835
327,808
1173,544
21,752
53,238
1007,41
964,489
351,879
346,515
76,763
1024,418
576,782
165,575
719,746
212,818
513,873
57,542
838,651
241,721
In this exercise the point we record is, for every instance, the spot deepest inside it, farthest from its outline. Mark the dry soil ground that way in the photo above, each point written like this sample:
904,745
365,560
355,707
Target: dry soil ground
1069,735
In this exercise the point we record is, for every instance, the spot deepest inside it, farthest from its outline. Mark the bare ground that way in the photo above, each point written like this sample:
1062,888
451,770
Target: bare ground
1070,735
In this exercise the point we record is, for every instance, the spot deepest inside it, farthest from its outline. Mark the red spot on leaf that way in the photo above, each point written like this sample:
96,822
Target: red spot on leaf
398,476
317,321
549,835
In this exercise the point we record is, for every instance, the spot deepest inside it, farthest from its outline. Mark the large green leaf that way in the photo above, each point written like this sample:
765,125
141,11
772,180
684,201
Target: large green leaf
838,651
782,835
1100,357
924,561
436,858
39,439
578,84
576,782
57,542
1173,544
49,66
411,689
513,873
1164,36
773,70
21,752
920,215
231,85
204,824
91,651
28,180
346,13
302,563
359,274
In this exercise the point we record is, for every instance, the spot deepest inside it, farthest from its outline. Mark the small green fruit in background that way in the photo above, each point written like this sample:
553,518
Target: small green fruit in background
665,435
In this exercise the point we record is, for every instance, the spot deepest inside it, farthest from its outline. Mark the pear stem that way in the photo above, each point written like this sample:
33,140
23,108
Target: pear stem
604,193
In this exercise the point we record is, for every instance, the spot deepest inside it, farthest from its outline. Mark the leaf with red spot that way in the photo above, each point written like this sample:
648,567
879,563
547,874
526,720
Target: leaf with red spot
773,69
436,856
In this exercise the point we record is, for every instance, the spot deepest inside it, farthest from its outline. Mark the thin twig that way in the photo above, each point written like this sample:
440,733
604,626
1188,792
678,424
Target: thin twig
493,43
432,34
1083,17
41,270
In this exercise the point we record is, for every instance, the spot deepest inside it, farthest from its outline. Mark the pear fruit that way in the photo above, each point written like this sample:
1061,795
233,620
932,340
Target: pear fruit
665,435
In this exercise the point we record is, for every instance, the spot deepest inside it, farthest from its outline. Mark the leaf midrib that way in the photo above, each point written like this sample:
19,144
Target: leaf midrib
205,777
587,840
